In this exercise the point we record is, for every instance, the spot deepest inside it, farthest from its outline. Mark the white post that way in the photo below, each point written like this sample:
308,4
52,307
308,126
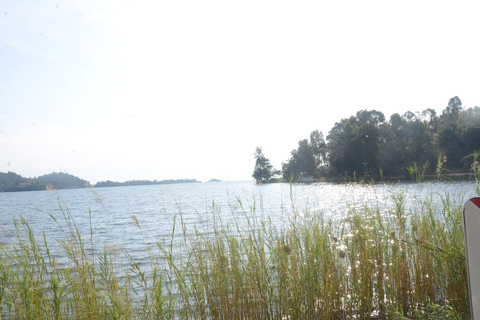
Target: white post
471,224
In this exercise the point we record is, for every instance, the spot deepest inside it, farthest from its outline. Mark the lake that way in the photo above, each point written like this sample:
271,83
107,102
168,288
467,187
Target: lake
109,212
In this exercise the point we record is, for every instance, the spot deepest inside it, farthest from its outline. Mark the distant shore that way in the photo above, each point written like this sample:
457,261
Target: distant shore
12,182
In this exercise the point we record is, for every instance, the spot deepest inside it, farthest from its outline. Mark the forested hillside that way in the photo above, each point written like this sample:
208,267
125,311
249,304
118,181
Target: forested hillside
62,180
13,182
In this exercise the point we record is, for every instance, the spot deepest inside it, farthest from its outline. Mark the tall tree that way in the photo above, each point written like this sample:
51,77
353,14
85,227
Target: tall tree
430,118
369,138
263,169
341,149
453,109
450,134
319,148
354,144
391,154
301,163
471,133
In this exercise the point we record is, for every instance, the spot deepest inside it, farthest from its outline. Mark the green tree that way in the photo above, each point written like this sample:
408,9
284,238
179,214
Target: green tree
417,142
368,137
263,169
319,150
431,119
470,120
341,147
452,111
408,141
301,163
449,139
354,144
392,153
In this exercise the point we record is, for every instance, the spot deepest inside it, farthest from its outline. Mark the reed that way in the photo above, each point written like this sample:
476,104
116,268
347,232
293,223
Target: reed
369,263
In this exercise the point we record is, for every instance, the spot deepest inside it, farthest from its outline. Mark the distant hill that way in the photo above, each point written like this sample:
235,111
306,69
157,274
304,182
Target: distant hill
11,181
60,180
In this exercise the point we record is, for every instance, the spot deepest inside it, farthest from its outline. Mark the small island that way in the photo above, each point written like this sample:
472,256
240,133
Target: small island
214,180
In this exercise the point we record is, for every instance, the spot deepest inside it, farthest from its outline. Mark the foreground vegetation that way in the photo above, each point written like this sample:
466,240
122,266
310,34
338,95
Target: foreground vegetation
372,263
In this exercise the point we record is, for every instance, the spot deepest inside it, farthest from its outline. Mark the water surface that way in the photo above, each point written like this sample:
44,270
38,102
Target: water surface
104,216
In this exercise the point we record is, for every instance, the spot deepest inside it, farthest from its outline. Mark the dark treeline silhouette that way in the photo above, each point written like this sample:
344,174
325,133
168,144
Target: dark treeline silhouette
109,183
11,181
369,146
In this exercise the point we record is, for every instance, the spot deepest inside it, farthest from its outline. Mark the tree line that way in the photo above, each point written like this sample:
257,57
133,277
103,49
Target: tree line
109,183
369,146
10,182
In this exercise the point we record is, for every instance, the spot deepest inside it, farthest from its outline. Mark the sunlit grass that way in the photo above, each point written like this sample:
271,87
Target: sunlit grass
391,263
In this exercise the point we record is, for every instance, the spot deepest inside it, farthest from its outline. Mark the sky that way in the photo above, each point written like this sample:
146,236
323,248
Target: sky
129,90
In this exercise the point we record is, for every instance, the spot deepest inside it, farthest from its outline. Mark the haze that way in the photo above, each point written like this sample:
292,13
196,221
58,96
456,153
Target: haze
123,90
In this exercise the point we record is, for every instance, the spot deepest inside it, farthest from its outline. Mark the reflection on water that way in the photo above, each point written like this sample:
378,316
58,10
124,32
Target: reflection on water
104,216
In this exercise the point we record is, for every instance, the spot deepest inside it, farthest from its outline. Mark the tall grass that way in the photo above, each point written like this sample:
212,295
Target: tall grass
371,263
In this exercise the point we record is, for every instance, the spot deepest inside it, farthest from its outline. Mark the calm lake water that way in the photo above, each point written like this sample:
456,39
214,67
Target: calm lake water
108,212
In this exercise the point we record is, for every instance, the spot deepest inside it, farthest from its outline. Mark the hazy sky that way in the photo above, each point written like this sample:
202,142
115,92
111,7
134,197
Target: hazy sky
122,90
